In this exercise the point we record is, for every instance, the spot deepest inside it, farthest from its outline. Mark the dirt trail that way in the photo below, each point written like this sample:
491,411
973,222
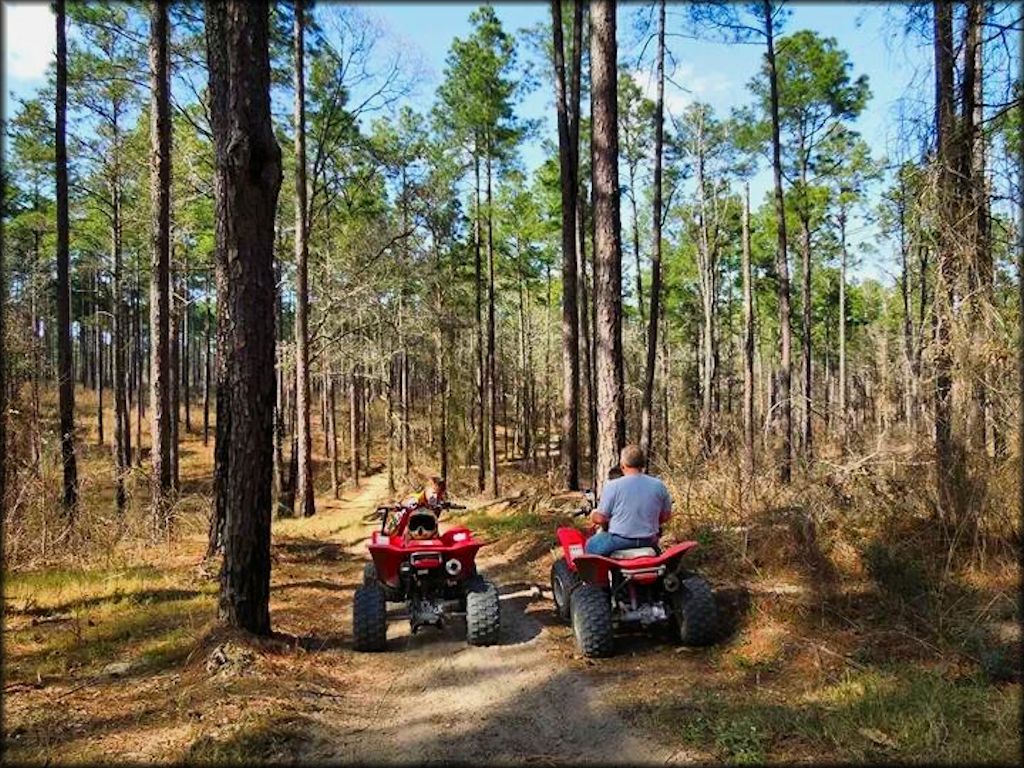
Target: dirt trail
434,698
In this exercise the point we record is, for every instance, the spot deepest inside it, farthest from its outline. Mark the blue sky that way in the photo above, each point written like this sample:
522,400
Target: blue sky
713,72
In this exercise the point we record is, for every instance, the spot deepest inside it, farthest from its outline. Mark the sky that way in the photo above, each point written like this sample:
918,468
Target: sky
897,67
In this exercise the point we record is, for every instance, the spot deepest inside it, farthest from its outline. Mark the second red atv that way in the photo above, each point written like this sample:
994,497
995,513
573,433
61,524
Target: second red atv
641,586
433,573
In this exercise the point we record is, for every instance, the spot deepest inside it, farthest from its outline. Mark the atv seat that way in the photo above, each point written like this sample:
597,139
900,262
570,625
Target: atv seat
633,552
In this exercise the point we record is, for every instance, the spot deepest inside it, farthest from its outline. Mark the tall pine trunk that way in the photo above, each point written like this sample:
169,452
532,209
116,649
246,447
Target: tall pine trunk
247,181
492,384
66,383
354,401
305,485
646,414
748,343
842,327
160,256
611,424
478,284
568,168
949,456
781,264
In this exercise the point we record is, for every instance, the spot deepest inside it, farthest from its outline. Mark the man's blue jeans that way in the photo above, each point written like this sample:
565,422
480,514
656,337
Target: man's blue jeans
604,543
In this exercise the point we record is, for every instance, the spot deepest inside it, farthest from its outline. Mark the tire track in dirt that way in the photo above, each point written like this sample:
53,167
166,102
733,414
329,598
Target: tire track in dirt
432,698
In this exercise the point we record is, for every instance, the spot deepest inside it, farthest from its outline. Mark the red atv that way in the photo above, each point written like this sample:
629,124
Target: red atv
641,586
434,574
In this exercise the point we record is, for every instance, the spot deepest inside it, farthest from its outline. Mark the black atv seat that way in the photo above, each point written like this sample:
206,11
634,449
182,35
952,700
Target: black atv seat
632,552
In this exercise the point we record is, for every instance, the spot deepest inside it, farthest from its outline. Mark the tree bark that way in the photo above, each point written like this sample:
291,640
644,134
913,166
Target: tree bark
160,258
568,167
122,428
247,181
354,398
207,326
478,284
332,428
842,328
611,424
805,337
748,342
305,487
781,263
492,385
98,317
174,375
66,382
652,323
949,469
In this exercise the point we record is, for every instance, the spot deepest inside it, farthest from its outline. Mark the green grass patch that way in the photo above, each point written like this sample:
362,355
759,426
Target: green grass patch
27,584
508,524
895,714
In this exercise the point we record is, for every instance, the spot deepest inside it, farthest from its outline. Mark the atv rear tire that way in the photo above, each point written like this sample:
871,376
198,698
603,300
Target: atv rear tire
696,616
391,594
563,581
483,612
592,620
369,618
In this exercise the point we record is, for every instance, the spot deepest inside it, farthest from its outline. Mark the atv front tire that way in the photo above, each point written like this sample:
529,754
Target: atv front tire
592,620
369,618
563,581
483,612
391,594
696,616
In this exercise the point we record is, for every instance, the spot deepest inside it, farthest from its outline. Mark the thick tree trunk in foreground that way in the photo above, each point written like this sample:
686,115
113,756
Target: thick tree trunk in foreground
781,266
611,423
304,493
160,257
247,181
656,216
568,166
66,383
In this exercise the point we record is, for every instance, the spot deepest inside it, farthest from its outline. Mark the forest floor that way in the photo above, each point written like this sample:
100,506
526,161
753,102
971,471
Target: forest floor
124,661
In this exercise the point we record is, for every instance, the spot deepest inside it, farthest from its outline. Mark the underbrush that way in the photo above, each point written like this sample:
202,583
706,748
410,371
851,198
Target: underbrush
881,715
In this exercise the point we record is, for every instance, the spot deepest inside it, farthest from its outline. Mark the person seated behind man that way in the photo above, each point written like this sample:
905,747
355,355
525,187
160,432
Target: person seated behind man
434,492
632,507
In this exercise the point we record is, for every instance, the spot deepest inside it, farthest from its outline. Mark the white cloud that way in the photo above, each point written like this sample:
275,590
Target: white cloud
29,39
685,86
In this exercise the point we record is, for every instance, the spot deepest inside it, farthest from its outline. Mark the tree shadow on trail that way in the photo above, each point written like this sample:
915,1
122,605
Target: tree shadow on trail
307,550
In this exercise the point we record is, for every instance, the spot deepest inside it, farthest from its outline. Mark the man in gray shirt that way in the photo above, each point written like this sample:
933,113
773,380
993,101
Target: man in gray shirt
633,507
